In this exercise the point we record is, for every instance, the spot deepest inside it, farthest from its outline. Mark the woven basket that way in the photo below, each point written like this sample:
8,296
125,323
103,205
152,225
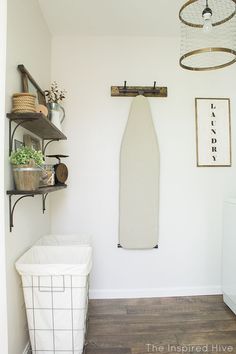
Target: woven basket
23,102
21,94
24,110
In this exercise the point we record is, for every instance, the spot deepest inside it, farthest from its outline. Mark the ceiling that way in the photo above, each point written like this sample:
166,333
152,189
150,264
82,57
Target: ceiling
112,17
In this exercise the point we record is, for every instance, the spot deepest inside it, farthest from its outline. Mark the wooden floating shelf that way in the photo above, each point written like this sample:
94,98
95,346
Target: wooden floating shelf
40,191
41,126
37,124
133,91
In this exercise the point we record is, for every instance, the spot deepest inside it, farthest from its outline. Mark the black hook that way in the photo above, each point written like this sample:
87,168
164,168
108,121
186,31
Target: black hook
154,87
124,85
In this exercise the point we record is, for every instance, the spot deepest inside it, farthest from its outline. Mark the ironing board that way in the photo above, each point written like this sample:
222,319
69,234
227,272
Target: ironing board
139,179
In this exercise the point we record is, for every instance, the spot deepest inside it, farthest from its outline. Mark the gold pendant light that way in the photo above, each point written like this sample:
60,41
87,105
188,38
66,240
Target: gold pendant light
208,34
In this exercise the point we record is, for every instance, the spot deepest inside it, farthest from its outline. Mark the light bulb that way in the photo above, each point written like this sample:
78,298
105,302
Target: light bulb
207,20
207,27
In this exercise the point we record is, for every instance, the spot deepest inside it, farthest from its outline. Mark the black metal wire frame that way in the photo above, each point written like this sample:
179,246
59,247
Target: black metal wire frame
44,147
12,208
54,291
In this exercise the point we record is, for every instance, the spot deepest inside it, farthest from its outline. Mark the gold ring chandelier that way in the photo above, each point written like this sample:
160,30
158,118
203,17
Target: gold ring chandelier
208,34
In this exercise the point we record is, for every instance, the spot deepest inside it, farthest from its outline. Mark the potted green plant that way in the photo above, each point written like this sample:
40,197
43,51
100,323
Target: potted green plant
26,166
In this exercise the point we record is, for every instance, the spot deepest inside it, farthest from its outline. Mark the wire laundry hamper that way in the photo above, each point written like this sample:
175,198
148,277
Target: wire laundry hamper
56,304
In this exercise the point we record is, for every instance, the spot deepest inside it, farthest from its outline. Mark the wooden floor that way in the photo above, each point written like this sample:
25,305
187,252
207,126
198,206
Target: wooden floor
161,325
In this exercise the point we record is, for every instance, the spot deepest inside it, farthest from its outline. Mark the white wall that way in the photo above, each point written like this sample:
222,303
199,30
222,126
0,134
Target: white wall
28,43
189,254
3,298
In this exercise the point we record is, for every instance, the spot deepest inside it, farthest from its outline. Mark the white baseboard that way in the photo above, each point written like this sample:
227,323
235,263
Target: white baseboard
27,349
229,302
148,293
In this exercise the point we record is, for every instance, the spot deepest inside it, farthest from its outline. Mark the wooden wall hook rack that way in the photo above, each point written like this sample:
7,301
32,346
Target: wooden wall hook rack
132,91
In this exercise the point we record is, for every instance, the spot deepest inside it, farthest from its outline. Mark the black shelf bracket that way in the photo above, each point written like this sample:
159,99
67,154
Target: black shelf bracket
44,147
12,208
12,134
42,191
44,197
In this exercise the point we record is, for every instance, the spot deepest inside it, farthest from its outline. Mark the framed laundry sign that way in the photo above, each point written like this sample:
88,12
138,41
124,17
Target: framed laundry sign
213,132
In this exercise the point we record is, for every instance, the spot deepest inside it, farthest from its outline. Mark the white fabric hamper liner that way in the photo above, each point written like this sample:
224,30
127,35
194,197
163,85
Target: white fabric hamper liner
64,240
55,284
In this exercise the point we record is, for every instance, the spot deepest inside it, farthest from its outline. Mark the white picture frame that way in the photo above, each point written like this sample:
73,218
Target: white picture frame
213,132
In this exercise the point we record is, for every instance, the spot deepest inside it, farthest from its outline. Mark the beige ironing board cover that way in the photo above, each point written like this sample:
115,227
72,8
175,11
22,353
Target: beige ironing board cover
139,179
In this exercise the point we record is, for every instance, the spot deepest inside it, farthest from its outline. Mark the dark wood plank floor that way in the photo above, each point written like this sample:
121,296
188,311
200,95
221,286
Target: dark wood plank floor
162,325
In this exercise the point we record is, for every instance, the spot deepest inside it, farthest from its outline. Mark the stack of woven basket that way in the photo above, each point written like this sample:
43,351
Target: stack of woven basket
23,102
